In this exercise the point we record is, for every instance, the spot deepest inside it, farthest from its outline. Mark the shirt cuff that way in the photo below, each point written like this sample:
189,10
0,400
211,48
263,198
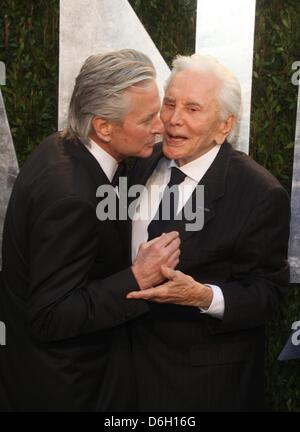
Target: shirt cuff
217,306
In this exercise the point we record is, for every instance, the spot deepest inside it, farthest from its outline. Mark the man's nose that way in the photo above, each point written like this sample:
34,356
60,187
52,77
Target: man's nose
158,127
175,118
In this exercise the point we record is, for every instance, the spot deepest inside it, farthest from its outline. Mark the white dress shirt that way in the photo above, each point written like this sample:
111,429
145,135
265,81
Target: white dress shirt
150,201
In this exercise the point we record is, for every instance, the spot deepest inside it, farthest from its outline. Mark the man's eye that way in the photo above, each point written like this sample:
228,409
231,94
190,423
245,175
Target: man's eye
169,105
148,121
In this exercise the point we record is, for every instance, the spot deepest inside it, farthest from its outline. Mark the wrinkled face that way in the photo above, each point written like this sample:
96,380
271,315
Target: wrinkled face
190,114
135,135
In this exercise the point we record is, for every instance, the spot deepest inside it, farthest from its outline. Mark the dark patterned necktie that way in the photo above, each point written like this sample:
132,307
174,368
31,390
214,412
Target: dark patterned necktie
158,225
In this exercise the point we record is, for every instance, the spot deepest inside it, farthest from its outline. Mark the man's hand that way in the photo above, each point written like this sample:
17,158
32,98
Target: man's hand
181,289
163,250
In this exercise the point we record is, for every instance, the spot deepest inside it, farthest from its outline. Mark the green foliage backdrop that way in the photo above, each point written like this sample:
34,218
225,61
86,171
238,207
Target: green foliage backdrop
29,33
29,49
274,100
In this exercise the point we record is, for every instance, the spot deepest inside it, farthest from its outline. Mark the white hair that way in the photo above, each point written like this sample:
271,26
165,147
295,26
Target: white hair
229,94
100,89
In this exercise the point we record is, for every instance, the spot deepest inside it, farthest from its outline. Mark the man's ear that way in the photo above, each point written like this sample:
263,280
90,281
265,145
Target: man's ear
225,129
102,129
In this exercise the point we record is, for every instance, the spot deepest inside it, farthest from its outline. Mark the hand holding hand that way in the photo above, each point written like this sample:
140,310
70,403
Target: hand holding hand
180,289
163,250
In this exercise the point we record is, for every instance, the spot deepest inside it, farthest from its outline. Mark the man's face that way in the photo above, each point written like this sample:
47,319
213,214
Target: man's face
190,114
135,135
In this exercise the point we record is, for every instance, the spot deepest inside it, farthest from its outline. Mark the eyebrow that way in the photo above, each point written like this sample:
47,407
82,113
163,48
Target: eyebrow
187,104
168,99
193,104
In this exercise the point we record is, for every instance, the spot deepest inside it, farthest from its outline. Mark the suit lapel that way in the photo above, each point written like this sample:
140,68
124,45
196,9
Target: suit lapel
214,182
215,178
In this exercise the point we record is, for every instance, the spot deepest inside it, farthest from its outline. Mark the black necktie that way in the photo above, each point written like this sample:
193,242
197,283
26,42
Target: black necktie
120,172
158,225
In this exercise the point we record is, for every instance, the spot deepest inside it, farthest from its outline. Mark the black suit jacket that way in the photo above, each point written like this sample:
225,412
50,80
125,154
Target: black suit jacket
63,293
186,360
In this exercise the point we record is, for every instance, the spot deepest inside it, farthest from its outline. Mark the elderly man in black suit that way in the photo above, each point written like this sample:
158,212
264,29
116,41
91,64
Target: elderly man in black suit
65,275
201,346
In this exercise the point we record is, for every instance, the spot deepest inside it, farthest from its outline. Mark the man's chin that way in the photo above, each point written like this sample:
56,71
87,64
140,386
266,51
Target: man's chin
147,152
170,152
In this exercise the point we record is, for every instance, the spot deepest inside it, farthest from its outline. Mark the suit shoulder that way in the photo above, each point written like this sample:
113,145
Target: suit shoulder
52,174
245,170
48,153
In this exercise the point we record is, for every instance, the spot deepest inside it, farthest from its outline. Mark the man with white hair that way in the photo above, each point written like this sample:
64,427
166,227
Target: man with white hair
201,346
65,274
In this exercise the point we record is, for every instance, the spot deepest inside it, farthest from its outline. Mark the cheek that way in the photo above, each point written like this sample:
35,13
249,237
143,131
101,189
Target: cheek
133,136
174,152
139,138
164,116
204,131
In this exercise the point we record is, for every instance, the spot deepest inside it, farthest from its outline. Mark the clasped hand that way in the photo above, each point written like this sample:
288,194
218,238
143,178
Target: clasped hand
179,289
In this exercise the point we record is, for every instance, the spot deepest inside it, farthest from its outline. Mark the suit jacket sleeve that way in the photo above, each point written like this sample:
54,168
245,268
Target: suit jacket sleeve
63,302
260,272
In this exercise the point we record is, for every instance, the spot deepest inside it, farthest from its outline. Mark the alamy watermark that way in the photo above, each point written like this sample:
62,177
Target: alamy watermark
2,333
140,198
296,75
2,73
296,334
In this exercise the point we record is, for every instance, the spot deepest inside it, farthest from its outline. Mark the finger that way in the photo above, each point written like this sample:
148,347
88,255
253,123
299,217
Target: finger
150,242
160,292
168,238
140,295
145,294
157,239
172,246
172,264
172,259
134,295
168,272
175,275
175,263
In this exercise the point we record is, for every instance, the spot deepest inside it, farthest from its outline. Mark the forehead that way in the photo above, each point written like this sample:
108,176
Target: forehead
143,98
142,103
193,85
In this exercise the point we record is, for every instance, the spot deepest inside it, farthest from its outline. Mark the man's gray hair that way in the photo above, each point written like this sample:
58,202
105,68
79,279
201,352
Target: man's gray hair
229,95
100,86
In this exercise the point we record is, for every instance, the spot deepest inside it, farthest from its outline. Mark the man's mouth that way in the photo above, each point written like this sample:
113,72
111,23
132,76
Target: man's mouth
175,138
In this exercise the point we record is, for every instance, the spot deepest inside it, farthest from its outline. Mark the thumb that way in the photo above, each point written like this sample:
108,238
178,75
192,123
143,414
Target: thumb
150,242
168,272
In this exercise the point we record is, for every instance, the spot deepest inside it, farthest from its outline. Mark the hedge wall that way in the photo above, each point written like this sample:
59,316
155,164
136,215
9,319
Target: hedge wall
29,48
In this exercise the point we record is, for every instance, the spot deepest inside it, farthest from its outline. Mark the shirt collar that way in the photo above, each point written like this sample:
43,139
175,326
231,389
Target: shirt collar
105,160
198,167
